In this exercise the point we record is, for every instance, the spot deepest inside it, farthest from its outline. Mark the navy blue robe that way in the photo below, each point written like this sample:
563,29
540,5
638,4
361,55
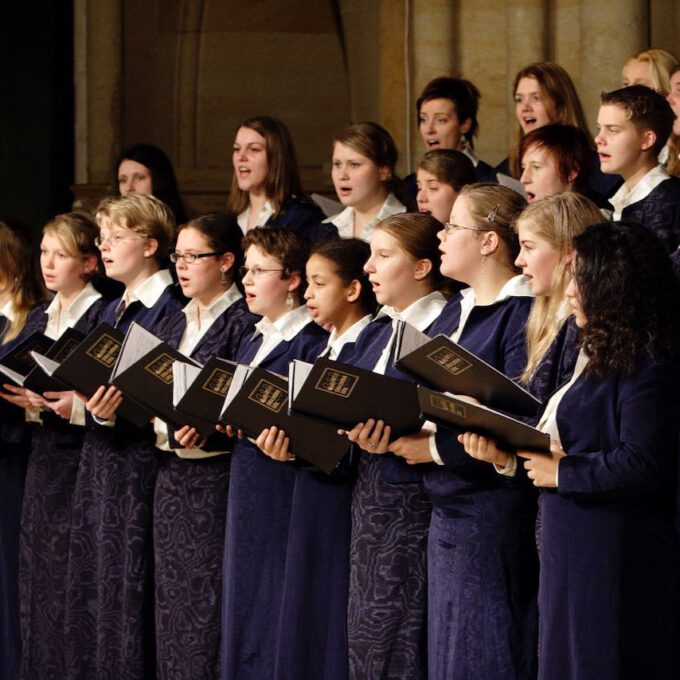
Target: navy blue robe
482,558
261,493
306,218
660,212
608,596
188,525
109,607
46,526
14,445
386,617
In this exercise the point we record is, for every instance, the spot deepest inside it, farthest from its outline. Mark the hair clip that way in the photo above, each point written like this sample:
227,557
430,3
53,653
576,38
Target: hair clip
491,217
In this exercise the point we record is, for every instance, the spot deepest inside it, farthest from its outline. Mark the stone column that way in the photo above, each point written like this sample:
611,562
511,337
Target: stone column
434,53
610,33
98,92
527,34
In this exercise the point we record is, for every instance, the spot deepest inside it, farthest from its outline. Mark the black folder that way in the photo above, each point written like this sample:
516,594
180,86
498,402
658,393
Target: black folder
19,362
345,395
37,380
147,376
444,365
89,366
461,416
262,401
203,400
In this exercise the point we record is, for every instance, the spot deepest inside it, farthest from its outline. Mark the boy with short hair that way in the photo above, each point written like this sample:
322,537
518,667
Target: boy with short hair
634,124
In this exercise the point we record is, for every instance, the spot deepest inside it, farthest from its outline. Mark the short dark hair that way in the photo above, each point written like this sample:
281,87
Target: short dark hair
464,95
647,109
287,246
625,261
348,257
568,144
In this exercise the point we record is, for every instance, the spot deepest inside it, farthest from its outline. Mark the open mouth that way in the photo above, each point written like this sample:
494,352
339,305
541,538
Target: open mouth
529,121
425,211
432,143
531,196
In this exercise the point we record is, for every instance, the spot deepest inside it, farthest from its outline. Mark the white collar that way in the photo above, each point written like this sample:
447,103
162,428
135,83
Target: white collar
517,286
149,291
344,220
84,300
194,310
337,342
625,197
468,152
266,212
8,311
421,313
287,326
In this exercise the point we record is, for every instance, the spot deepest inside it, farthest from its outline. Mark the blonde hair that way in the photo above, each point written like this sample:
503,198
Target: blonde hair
146,215
661,64
76,232
555,219
559,98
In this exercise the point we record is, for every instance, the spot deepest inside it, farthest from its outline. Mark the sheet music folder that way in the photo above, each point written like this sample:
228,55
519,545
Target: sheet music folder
345,395
444,365
462,416
258,399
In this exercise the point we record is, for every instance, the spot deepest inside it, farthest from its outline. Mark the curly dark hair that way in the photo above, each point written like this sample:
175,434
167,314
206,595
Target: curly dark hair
630,297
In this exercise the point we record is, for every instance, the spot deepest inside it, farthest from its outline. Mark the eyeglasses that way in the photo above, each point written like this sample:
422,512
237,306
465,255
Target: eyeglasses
257,272
115,240
190,258
450,228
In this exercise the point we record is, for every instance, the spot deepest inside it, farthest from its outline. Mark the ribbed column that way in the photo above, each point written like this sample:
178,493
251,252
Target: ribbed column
527,34
610,33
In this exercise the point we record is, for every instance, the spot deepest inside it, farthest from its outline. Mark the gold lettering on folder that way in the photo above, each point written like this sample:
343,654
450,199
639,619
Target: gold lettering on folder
269,395
24,356
104,350
449,361
161,368
336,382
66,350
218,382
443,404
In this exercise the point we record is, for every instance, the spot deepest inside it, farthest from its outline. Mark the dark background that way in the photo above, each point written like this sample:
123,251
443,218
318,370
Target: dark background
36,110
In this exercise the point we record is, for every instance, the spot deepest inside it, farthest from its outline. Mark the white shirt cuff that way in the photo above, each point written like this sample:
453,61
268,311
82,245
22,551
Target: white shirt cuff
432,442
77,412
510,468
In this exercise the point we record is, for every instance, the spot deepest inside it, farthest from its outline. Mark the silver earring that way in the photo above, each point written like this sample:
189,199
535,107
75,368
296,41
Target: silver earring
223,276
289,301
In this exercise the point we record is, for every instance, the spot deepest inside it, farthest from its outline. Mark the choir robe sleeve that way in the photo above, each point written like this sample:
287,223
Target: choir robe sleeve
641,433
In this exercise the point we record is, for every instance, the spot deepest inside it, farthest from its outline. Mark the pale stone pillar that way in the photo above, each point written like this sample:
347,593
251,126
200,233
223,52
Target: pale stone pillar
98,87
610,33
527,34
433,53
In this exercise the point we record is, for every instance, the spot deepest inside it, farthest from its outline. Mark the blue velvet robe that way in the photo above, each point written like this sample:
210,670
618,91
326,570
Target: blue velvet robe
15,442
261,493
482,561
386,616
188,525
306,218
109,606
46,526
660,212
608,594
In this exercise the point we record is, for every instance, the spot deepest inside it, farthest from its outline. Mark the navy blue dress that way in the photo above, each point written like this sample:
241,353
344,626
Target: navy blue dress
46,526
660,212
608,597
109,606
15,443
261,493
482,561
386,616
188,526
306,218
